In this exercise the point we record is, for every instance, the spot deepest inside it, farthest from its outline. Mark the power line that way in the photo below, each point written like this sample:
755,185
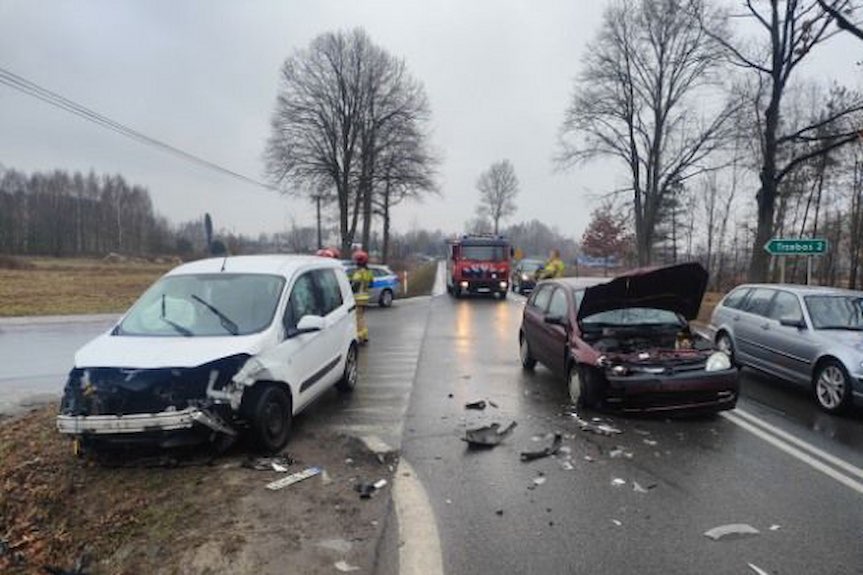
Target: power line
21,84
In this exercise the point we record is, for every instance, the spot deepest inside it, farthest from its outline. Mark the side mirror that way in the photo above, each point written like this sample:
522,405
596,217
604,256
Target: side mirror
792,322
310,323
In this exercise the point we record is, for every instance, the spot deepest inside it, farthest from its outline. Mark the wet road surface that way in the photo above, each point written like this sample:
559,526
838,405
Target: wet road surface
36,354
496,514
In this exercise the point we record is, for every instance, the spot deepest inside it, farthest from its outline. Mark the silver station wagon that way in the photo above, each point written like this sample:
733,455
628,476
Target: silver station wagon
809,335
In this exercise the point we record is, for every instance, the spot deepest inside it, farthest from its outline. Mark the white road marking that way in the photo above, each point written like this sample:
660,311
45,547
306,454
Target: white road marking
794,452
419,550
439,287
831,459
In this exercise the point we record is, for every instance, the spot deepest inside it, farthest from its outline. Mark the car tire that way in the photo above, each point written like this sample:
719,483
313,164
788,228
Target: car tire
724,343
591,393
527,360
386,299
348,382
832,386
271,418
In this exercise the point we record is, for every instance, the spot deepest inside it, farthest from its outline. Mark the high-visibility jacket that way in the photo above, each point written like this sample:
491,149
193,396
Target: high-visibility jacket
361,279
553,269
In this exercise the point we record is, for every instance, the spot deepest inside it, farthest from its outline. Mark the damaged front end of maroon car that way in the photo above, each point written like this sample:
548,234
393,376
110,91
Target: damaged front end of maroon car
643,349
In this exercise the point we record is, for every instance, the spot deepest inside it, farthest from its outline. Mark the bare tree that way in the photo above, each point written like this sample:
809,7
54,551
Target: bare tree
842,17
498,187
791,29
641,99
337,102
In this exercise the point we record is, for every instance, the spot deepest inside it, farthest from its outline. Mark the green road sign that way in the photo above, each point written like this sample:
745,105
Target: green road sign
794,247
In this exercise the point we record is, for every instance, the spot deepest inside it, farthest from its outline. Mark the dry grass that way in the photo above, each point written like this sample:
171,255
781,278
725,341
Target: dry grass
421,279
50,286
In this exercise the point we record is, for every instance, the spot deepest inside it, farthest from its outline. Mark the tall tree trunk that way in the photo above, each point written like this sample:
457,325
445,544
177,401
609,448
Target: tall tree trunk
385,247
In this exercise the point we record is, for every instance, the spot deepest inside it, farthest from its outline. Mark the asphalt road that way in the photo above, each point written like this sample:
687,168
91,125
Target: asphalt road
692,475
777,463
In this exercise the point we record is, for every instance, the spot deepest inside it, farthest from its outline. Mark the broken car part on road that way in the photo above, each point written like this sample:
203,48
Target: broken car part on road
293,478
488,435
552,449
731,531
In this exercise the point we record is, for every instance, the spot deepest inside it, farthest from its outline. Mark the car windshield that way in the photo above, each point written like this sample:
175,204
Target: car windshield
836,312
205,305
531,265
486,253
630,317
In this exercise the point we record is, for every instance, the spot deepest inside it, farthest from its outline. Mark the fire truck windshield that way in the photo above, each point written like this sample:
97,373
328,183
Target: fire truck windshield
485,253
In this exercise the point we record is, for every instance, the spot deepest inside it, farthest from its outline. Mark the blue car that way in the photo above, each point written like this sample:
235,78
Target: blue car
384,287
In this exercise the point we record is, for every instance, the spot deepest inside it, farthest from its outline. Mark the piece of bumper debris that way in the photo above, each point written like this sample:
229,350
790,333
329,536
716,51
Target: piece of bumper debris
293,478
488,435
279,464
345,567
731,531
546,451
479,405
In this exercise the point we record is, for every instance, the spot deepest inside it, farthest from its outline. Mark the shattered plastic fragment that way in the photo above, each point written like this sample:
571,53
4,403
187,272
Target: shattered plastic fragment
617,522
346,567
488,435
617,482
544,452
538,480
380,484
567,466
731,531
637,487
757,569
293,478
588,458
775,527
279,464
649,442
479,405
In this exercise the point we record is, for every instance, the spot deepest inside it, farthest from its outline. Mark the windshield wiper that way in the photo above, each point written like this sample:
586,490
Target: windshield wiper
180,329
226,322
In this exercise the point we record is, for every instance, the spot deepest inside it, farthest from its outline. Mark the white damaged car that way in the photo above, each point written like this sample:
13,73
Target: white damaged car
213,348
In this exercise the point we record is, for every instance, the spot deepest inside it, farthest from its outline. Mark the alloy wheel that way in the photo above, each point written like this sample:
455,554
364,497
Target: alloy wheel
830,388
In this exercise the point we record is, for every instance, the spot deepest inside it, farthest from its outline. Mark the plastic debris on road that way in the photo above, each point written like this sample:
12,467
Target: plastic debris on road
775,527
293,478
617,522
380,483
479,405
346,567
567,466
539,480
488,435
757,569
731,531
639,488
618,482
649,442
596,426
552,449
279,464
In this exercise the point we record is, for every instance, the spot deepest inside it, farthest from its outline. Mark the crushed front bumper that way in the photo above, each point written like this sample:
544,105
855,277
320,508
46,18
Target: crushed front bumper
689,391
135,423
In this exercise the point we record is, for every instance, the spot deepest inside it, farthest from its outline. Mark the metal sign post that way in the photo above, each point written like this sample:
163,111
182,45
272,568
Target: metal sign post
796,247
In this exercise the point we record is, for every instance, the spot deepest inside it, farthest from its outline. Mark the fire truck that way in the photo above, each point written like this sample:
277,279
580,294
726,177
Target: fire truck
478,264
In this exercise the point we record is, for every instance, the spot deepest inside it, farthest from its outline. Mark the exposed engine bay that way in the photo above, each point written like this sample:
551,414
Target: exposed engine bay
648,349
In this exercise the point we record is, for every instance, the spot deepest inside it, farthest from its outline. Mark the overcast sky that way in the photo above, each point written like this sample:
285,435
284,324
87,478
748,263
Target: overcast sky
203,76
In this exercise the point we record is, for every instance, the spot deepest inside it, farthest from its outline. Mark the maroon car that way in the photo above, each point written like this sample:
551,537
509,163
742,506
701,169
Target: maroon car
626,343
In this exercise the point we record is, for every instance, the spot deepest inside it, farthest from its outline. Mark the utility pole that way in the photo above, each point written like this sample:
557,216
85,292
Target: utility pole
318,210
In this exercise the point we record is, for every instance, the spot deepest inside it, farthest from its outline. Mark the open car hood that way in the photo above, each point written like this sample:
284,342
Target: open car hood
678,288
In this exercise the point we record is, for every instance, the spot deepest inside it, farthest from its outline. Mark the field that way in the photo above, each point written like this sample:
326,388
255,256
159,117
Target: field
56,286
53,286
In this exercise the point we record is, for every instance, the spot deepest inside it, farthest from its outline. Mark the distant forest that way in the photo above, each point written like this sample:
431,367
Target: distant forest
63,214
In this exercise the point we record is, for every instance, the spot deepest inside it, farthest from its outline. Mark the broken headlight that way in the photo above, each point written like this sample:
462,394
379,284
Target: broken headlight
718,361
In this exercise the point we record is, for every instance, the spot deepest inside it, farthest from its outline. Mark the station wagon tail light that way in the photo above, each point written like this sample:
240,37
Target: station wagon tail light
718,361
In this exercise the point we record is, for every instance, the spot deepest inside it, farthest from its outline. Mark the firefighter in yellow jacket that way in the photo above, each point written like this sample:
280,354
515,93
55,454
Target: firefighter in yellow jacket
554,267
360,282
